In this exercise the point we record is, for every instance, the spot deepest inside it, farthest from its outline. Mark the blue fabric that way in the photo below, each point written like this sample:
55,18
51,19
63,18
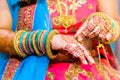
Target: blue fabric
32,67
3,61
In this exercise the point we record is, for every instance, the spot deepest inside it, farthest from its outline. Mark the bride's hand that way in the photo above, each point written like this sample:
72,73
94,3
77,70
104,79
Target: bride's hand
69,44
95,27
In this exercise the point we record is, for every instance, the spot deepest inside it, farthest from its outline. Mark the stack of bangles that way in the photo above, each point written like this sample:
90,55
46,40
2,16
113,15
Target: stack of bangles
34,42
115,26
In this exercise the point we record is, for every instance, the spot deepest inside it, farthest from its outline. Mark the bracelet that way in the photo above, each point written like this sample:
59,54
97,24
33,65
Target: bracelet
116,31
34,44
114,24
25,47
44,42
21,43
41,41
16,43
48,44
37,39
30,42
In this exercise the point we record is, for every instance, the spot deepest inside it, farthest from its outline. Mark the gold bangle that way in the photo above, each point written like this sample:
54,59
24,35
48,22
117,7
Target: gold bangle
16,43
48,44
106,17
116,31
114,25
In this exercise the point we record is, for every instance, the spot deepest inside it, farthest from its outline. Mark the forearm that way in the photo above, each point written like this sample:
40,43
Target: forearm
109,7
6,41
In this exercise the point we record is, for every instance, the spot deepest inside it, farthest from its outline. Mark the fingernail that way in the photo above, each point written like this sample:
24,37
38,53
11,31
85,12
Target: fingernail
108,36
79,39
92,60
85,62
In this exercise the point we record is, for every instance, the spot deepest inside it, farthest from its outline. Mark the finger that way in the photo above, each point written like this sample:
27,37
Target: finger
81,29
95,32
80,54
87,54
89,57
73,50
80,37
102,35
109,36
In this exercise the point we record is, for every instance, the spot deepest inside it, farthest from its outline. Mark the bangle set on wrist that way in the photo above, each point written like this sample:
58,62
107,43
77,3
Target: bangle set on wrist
34,42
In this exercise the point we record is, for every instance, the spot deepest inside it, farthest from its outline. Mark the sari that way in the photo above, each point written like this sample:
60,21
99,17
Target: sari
35,67
32,67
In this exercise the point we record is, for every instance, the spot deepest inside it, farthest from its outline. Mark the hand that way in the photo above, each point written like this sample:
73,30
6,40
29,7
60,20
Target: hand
95,27
69,44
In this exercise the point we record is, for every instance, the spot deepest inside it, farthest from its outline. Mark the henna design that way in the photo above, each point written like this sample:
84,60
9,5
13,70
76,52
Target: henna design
6,42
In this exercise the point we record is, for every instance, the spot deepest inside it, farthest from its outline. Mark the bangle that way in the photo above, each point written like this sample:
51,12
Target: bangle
48,44
16,43
27,42
116,31
44,42
114,25
24,44
21,43
37,38
41,41
30,42
34,44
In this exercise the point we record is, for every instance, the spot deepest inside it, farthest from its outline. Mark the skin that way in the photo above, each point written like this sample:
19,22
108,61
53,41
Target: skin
110,9
7,35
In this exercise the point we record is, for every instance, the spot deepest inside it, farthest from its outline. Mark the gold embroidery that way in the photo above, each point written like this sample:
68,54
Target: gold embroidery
73,72
25,18
90,6
66,13
50,75
11,68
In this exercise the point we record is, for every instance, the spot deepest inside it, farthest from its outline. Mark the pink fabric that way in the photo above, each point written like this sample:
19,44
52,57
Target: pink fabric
85,8
58,70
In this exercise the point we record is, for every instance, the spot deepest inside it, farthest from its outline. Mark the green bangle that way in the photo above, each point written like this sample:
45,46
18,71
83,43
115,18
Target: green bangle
37,39
21,43
34,44
30,42
48,44
27,45
44,42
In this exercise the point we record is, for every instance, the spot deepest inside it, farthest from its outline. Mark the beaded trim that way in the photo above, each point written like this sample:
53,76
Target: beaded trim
11,68
26,17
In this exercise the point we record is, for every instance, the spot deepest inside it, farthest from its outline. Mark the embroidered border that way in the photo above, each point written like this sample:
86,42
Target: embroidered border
25,18
11,68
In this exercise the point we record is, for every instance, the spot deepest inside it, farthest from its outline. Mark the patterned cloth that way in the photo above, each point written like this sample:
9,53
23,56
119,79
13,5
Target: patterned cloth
34,68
